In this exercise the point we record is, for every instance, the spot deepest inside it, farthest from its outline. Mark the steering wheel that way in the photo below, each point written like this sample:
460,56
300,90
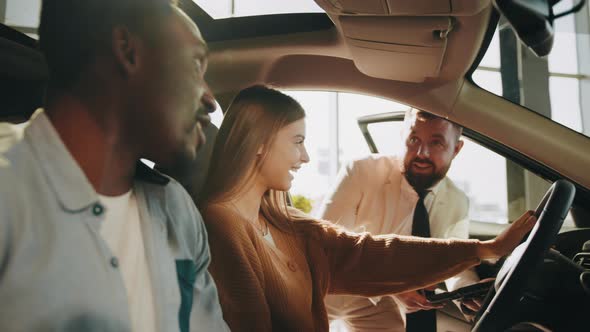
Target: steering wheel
496,311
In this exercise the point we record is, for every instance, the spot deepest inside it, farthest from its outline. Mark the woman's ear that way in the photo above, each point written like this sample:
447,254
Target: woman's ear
260,150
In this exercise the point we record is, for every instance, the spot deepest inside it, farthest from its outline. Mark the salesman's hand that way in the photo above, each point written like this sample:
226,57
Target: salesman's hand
471,306
415,301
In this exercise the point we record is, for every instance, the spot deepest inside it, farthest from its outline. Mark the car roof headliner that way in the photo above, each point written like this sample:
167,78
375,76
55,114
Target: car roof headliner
313,51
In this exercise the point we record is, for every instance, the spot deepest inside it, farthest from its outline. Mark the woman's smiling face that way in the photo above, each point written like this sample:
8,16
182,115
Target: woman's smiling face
285,155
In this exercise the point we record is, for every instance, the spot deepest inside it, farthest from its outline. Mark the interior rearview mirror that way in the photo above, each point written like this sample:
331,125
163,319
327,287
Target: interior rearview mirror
532,21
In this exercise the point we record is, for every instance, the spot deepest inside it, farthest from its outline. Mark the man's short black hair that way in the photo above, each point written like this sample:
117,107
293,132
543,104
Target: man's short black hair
73,32
425,116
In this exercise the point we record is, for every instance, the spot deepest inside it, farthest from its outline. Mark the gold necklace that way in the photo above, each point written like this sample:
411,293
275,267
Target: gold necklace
264,230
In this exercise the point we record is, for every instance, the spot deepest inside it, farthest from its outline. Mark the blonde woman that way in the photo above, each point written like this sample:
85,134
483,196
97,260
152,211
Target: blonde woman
272,264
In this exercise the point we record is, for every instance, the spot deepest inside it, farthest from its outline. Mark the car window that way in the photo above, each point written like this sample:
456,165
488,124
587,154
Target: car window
556,86
238,8
481,174
334,137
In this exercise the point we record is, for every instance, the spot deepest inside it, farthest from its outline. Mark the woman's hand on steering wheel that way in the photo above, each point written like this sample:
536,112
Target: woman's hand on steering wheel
509,239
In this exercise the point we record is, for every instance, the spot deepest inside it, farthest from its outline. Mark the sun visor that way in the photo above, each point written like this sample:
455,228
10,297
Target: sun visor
403,7
408,49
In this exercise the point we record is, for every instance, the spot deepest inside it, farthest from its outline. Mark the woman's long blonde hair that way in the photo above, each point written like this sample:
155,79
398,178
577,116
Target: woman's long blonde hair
252,121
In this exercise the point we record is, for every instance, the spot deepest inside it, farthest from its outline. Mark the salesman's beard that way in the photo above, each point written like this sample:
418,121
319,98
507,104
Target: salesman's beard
420,181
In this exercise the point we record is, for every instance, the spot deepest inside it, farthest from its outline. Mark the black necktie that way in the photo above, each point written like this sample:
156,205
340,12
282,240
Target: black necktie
421,321
421,223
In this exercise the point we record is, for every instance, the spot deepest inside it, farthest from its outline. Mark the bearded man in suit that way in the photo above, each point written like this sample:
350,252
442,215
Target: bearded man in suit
408,194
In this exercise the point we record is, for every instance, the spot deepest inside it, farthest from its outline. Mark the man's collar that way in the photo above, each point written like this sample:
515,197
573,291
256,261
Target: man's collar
63,173
434,190
66,178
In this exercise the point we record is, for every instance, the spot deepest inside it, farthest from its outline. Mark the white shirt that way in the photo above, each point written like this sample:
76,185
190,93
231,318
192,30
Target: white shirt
122,232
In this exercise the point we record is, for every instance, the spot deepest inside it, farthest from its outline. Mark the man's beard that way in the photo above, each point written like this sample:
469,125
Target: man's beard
423,182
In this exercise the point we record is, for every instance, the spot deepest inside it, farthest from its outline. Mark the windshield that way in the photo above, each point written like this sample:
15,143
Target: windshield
557,86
